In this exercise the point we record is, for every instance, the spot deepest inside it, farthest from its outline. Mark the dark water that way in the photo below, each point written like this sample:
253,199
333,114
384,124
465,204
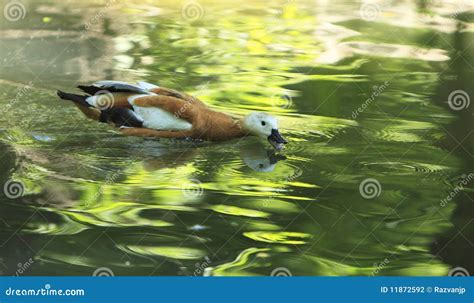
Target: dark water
362,94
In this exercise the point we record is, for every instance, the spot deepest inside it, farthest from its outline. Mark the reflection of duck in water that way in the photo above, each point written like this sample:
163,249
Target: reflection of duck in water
253,155
150,111
260,159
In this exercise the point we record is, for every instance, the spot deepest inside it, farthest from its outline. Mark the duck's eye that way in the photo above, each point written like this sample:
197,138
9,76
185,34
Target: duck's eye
263,123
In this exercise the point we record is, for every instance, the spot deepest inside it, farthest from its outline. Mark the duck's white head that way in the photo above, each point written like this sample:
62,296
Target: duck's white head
264,126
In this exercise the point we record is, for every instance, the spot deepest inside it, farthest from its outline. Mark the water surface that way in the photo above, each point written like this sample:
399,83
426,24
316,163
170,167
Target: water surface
374,150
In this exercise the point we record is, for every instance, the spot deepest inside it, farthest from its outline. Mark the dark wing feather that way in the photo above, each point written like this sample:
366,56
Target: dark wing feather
120,87
89,89
121,117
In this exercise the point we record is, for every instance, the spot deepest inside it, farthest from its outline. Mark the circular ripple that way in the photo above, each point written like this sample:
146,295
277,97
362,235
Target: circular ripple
401,168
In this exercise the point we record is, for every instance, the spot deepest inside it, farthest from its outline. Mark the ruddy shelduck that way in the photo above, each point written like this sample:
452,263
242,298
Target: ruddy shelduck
151,111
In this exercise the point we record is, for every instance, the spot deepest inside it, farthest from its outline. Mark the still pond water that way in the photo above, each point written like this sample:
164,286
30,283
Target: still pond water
375,148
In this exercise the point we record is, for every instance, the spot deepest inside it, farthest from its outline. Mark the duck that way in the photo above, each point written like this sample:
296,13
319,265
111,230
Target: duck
147,110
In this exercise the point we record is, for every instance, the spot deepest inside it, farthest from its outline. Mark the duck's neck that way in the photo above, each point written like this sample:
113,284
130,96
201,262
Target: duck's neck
240,125
235,128
222,126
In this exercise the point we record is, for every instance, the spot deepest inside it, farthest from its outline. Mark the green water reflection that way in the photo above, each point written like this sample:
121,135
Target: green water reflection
358,99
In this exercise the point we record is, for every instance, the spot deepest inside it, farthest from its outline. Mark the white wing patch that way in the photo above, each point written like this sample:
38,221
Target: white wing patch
146,85
157,118
109,82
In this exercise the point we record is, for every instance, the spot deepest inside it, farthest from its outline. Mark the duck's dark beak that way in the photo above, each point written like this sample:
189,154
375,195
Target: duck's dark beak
274,158
276,140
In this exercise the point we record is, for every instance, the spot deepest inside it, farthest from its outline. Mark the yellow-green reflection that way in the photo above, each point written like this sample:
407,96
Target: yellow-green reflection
278,237
94,198
169,252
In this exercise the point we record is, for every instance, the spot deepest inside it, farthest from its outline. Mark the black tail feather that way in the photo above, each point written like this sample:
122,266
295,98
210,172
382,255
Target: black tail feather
118,116
80,99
